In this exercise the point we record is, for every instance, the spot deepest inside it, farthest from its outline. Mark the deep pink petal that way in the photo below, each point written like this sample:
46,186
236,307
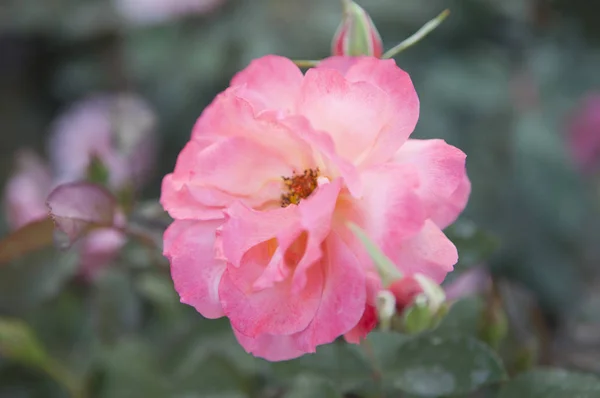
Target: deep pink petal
353,114
270,347
270,82
444,185
190,248
367,323
273,311
429,252
343,299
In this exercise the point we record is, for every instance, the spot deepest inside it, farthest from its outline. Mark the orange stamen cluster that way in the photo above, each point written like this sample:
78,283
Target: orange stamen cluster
299,186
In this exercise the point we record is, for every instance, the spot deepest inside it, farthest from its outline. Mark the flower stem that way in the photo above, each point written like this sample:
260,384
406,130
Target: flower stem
306,63
418,35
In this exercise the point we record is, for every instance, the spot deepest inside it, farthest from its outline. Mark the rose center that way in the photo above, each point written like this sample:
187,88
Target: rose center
299,186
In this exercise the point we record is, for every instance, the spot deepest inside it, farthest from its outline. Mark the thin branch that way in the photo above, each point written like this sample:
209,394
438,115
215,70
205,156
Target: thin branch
416,37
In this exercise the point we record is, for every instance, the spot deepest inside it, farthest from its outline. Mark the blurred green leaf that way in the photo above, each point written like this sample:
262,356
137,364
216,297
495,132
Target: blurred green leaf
552,383
340,362
132,370
115,305
433,366
474,245
34,278
31,237
305,386
463,318
97,172
19,343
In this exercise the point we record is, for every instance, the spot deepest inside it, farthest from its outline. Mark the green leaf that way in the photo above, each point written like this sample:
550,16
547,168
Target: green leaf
433,366
19,343
552,383
306,386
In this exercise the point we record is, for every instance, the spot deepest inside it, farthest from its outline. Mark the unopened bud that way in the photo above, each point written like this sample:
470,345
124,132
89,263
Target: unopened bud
424,302
357,34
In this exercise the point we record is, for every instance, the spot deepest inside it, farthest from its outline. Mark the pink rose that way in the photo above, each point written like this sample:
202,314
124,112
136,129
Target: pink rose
25,202
26,190
276,167
118,129
584,134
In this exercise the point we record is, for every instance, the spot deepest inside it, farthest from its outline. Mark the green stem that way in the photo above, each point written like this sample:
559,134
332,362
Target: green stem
416,37
306,63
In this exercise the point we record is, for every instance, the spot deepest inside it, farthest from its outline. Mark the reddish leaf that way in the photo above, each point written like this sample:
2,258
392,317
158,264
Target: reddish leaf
29,238
80,206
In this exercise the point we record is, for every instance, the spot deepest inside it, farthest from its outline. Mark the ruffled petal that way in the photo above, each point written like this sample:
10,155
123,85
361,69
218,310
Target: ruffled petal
403,102
343,298
390,210
270,82
444,185
339,63
190,248
269,347
272,311
429,253
353,114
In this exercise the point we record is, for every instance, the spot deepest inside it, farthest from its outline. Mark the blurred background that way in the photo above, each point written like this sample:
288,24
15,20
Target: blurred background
513,83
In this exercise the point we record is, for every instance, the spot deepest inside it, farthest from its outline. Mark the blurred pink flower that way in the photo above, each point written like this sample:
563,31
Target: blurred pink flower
156,11
475,281
119,130
26,190
583,134
276,167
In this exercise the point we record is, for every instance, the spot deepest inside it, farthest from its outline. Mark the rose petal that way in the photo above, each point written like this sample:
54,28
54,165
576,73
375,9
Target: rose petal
390,209
270,82
444,186
273,311
190,247
353,114
230,115
246,228
429,253
340,63
269,347
403,102
343,299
